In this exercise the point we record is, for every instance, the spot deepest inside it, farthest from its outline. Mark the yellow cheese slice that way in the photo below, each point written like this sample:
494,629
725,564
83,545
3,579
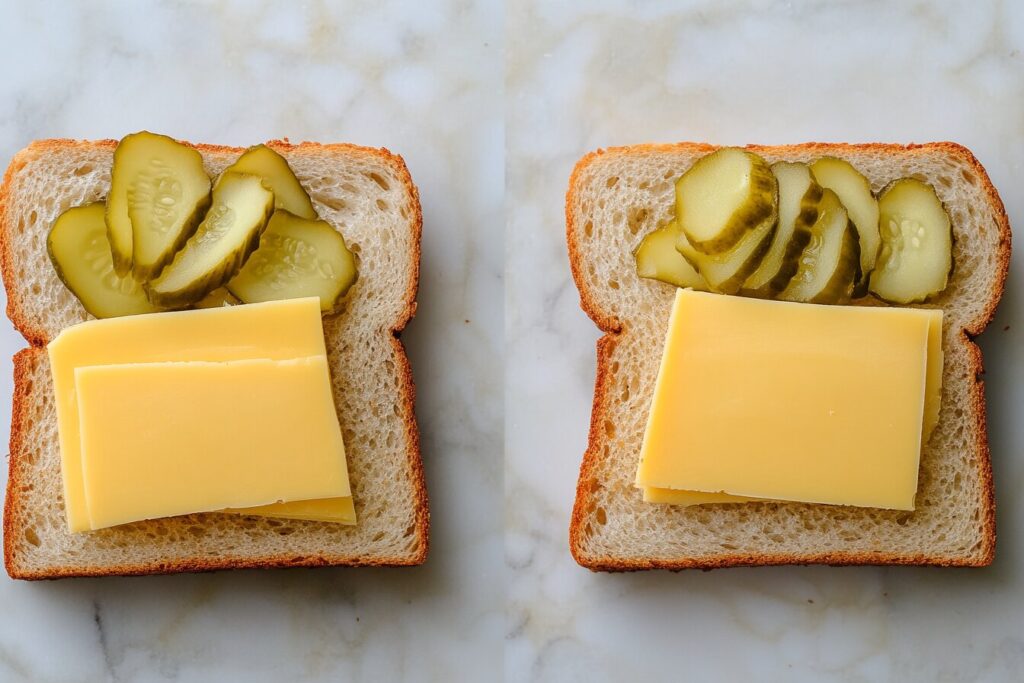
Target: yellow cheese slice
782,401
932,403
338,510
275,330
166,439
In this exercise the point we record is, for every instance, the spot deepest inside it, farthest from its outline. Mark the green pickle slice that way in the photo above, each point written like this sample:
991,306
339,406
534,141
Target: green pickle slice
917,243
230,232
81,255
799,199
727,272
723,197
277,174
854,191
297,257
830,264
158,194
658,259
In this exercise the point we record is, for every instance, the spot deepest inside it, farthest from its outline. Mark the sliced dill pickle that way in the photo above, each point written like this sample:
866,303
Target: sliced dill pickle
217,298
723,197
917,243
830,263
214,254
158,194
297,257
854,191
799,197
80,252
658,259
277,174
727,272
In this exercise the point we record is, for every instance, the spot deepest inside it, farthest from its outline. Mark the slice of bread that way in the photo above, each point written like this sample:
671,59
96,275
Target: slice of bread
618,195
365,193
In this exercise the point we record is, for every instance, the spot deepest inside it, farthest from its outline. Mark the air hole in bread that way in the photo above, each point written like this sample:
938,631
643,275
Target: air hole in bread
612,182
383,206
32,537
83,169
609,429
409,531
637,217
32,218
379,179
614,284
588,228
21,226
945,181
349,187
601,516
333,203
969,177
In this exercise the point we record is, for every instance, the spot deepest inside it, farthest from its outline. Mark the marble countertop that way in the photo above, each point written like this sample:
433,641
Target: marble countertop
615,73
418,80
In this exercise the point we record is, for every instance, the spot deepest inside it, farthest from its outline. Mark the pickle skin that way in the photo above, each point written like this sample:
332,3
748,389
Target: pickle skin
935,230
732,280
762,282
79,249
760,205
657,259
297,257
844,271
289,194
211,235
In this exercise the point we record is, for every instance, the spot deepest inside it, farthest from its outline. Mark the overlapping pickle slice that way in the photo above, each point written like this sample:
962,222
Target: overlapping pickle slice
723,197
830,263
231,230
726,272
854,191
799,200
81,255
658,259
289,195
917,243
158,194
297,257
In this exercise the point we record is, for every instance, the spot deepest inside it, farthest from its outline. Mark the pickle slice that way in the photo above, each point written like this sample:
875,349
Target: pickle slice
799,197
230,232
727,272
80,252
917,243
278,176
658,259
297,257
854,191
830,263
724,196
158,193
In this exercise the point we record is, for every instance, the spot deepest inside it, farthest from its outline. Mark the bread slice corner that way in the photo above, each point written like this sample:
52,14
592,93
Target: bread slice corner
618,195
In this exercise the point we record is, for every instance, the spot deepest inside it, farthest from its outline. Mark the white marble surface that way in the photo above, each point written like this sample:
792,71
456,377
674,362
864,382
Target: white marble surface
613,73
423,81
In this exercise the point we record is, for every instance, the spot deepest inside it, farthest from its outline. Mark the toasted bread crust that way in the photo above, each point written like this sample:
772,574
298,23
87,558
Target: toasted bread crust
25,359
612,328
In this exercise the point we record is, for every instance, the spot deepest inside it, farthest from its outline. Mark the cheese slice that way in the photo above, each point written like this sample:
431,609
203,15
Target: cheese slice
784,401
932,404
276,330
166,439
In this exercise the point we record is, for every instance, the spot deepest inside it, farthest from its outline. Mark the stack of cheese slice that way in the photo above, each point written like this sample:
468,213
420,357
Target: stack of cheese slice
225,409
797,402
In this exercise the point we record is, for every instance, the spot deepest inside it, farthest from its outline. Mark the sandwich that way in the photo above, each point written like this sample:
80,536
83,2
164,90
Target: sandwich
214,376
787,372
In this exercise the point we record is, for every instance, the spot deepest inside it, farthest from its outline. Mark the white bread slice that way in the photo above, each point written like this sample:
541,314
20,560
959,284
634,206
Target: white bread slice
368,195
615,197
